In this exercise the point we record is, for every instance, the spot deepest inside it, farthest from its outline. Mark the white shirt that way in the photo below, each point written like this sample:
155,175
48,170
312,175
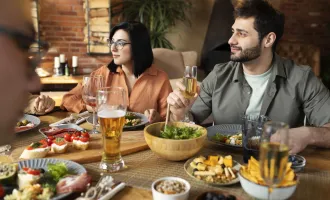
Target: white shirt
258,83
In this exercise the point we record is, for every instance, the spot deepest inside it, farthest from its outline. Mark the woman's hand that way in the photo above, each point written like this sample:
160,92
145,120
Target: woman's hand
152,115
43,104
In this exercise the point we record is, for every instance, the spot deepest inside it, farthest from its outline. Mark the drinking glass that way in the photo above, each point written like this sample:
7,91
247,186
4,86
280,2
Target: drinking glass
252,130
273,155
190,82
111,113
91,84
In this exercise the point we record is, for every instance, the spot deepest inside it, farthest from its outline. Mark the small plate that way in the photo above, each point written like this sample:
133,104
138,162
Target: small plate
35,120
224,129
144,120
189,171
73,167
74,126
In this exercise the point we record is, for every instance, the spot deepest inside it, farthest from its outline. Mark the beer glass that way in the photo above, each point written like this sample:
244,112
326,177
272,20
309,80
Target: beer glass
273,156
111,114
190,82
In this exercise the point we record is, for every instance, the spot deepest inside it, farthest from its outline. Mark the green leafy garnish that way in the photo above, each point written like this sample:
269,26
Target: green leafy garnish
57,171
220,137
177,133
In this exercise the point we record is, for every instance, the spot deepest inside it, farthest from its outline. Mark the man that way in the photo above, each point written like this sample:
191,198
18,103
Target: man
17,71
39,105
258,82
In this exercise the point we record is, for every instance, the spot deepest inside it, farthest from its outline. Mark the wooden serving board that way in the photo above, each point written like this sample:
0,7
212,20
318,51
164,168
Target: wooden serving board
131,142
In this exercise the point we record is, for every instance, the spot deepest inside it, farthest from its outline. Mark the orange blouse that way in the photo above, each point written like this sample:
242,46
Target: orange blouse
150,91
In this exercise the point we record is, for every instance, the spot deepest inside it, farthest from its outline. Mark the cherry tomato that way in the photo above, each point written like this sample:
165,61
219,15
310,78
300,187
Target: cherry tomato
76,138
77,133
49,142
67,137
84,139
51,137
85,134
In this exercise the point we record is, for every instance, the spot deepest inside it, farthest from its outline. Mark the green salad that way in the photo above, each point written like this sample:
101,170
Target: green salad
178,133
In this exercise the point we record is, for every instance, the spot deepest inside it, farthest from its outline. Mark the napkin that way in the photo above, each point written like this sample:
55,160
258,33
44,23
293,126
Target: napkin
81,118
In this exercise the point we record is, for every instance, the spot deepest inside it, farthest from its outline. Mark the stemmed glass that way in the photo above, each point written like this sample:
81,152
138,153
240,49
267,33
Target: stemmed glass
111,113
273,156
91,84
190,82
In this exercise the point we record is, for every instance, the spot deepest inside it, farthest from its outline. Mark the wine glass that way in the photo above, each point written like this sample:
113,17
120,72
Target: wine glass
273,156
111,113
91,84
190,82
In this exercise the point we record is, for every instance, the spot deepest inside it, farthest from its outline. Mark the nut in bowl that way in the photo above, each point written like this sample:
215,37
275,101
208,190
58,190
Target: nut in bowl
187,139
255,186
170,188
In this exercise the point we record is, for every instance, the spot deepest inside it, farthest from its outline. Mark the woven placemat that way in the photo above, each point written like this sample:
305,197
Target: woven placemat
145,167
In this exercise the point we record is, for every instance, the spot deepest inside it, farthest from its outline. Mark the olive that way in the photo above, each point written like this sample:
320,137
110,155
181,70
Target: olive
25,122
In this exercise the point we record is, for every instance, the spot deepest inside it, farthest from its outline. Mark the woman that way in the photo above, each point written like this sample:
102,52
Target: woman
131,68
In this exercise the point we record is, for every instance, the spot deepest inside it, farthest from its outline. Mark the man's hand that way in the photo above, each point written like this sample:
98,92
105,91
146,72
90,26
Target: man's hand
298,138
179,104
152,115
43,104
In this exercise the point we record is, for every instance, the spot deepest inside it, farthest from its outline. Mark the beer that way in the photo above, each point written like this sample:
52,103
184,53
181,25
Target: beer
111,126
191,87
273,160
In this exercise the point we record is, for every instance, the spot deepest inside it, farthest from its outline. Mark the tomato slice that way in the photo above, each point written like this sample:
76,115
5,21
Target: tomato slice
35,172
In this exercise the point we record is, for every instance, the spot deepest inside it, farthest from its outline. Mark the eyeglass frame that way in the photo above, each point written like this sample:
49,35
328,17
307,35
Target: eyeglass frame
24,41
111,42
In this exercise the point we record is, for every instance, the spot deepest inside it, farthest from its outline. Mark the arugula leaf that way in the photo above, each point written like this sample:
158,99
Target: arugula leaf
57,171
178,133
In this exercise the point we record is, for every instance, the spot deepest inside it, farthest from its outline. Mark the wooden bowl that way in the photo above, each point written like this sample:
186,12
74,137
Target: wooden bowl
169,149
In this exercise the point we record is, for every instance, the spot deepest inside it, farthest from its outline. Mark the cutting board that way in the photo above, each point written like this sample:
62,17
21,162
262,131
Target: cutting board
131,142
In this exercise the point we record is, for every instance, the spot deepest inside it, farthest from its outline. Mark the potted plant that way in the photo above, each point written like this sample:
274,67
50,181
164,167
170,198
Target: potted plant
157,15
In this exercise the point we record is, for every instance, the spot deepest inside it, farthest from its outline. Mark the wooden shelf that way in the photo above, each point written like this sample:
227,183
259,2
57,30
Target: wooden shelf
61,80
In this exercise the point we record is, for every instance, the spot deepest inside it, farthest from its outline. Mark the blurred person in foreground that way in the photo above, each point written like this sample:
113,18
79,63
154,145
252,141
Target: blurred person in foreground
17,70
146,86
259,82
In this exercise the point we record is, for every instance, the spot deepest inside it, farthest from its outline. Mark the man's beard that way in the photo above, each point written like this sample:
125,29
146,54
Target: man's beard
247,54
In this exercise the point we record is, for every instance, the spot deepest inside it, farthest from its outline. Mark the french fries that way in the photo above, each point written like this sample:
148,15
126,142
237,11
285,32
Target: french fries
252,173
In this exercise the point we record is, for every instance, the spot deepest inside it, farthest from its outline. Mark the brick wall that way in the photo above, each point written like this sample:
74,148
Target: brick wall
308,21
61,24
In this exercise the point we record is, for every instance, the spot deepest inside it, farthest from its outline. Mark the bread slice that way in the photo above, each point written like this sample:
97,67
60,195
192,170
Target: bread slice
59,148
35,153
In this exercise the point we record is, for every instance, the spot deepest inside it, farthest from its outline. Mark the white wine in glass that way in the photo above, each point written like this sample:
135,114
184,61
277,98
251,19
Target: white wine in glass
273,156
91,84
190,82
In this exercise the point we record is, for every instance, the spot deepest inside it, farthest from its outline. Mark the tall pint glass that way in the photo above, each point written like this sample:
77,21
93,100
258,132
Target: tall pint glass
111,114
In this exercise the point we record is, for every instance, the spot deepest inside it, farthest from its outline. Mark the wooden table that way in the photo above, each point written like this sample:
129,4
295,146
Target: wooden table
318,165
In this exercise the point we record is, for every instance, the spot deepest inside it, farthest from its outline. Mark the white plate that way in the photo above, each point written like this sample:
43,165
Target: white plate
144,120
189,171
73,167
35,120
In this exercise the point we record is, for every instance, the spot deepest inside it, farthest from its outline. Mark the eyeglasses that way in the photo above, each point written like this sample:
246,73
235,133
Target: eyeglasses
119,45
34,50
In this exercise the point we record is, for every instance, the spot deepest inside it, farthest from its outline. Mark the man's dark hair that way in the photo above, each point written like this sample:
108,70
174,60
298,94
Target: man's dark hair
267,18
142,55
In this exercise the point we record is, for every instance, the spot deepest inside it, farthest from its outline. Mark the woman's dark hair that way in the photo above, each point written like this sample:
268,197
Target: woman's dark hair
267,18
140,46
